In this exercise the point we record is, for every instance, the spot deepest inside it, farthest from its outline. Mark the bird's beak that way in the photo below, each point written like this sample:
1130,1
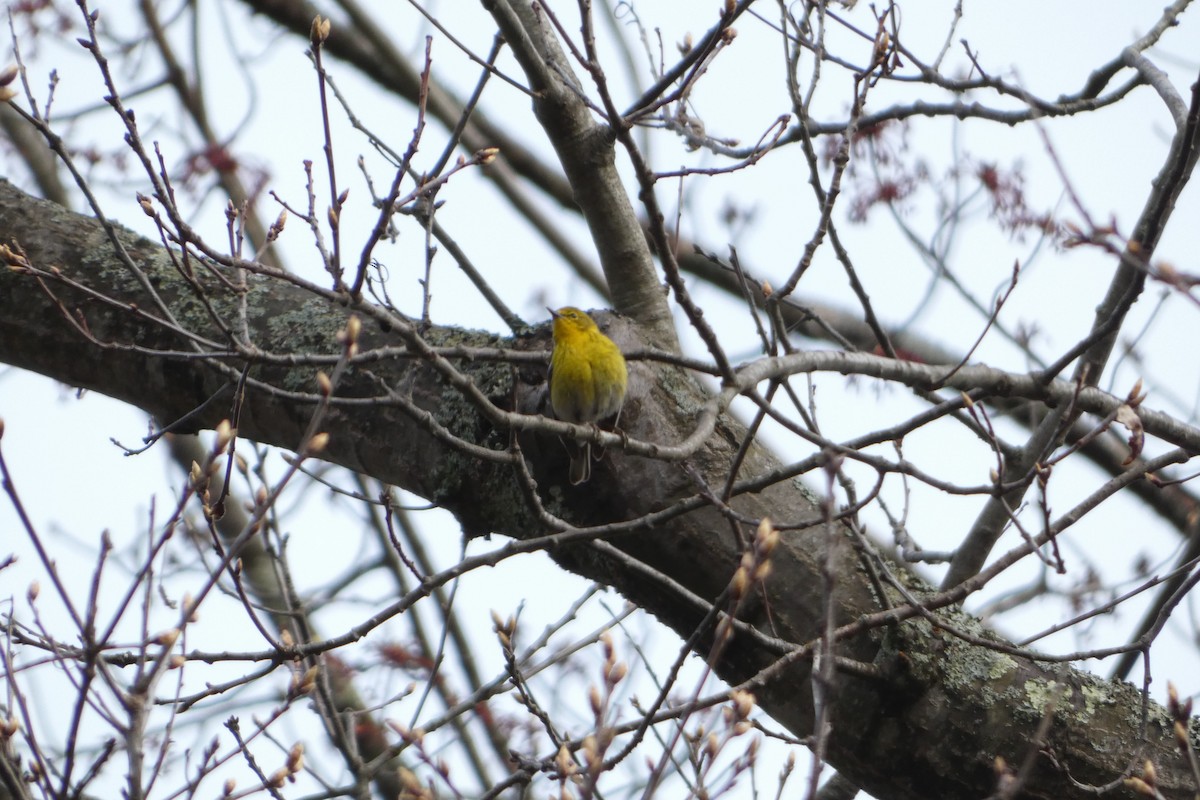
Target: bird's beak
553,313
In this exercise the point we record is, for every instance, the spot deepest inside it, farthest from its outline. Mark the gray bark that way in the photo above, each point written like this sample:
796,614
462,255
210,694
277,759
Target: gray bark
927,718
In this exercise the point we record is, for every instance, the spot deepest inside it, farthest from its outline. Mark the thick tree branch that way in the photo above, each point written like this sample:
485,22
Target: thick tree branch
585,150
908,727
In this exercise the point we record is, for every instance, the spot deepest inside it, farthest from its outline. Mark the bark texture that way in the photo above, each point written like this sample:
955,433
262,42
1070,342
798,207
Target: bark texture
927,719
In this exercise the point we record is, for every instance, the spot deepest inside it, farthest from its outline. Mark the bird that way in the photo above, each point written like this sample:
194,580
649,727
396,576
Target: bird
587,379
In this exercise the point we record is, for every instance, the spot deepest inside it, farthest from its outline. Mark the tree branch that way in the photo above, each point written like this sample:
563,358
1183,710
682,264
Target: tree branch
906,728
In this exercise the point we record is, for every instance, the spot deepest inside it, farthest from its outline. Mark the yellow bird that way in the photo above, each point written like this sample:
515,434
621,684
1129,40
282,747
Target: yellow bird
587,379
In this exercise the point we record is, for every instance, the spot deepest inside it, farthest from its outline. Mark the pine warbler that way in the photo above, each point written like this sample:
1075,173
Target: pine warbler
587,379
